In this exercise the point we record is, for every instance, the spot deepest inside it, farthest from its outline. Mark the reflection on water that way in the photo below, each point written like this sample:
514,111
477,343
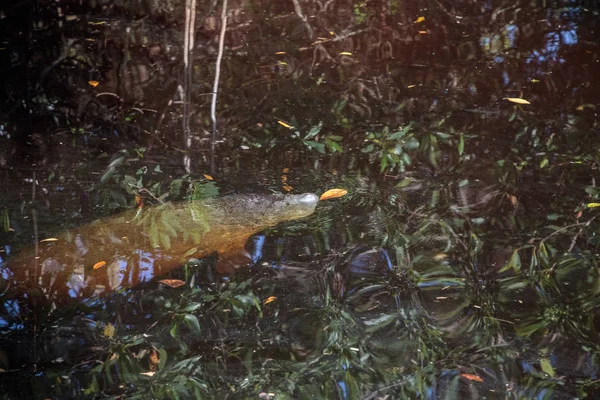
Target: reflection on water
462,264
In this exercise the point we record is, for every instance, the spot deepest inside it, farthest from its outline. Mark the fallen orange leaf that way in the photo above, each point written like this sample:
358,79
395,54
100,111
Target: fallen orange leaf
472,377
210,178
174,283
139,201
93,83
99,264
270,299
333,193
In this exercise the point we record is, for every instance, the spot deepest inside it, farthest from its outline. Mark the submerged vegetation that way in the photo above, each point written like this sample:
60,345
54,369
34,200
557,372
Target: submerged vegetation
461,263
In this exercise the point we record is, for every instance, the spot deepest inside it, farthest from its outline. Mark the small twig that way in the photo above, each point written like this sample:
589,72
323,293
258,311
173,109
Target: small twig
141,189
35,227
564,228
213,105
335,39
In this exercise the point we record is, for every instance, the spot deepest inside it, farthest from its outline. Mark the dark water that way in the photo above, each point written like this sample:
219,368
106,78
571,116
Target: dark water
462,263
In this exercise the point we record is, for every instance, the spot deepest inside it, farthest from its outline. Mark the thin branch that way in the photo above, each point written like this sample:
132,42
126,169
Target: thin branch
304,19
213,105
565,228
188,45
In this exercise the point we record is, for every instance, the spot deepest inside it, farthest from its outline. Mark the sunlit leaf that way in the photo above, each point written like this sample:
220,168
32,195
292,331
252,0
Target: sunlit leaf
593,205
285,124
174,283
270,299
210,178
49,240
93,83
422,32
345,53
517,100
333,193
420,19
470,377
280,53
547,366
99,264
109,330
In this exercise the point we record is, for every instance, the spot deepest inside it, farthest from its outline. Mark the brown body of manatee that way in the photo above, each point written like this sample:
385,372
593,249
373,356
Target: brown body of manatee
138,245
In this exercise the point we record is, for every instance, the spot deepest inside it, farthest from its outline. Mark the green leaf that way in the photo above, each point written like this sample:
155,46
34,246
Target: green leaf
174,328
547,366
411,144
192,322
175,188
544,163
314,131
368,149
320,147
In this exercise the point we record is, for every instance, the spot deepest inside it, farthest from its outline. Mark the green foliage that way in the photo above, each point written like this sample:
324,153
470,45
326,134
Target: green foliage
392,148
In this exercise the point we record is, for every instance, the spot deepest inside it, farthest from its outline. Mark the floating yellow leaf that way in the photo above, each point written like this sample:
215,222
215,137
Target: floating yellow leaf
210,178
333,193
284,124
109,330
174,283
517,100
282,63
270,299
420,19
410,86
49,240
535,81
423,32
593,205
331,33
93,83
345,53
470,377
280,53
99,264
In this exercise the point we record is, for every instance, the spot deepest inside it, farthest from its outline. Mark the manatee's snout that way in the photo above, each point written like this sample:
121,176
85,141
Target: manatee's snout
299,205
308,199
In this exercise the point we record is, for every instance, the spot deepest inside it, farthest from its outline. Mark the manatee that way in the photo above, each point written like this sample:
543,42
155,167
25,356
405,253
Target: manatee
138,245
